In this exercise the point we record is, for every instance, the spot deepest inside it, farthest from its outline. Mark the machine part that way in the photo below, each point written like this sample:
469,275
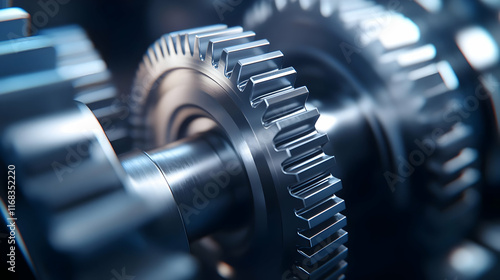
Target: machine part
77,58
219,78
244,159
394,89
64,159
469,38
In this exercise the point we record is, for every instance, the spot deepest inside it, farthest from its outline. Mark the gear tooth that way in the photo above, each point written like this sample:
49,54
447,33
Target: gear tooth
399,32
284,103
14,23
314,216
337,272
450,143
179,45
315,236
251,66
453,191
29,49
147,61
307,166
164,47
202,39
265,84
331,243
231,55
434,79
189,35
172,50
410,59
187,45
295,127
306,143
453,167
352,16
200,30
216,45
152,56
316,190
330,269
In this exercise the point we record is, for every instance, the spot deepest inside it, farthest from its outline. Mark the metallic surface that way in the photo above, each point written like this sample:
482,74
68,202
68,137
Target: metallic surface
195,80
393,90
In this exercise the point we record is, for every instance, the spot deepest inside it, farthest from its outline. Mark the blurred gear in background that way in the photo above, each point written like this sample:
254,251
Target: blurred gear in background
408,93
425,114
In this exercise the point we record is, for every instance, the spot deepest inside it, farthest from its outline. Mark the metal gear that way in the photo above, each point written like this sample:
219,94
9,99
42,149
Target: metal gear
472,44
97,212
77,60
191,81
59,148
400,88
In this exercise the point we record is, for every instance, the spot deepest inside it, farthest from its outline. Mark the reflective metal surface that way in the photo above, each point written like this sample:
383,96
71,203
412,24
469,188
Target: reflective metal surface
214,163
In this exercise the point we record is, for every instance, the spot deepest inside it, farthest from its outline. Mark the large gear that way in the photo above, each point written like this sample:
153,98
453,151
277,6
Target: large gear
70,173
409,90
221,68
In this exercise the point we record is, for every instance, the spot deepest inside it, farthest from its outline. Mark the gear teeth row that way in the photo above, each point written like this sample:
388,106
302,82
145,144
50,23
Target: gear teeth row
319,252
433,81
259,77
252,66
202,40
78,60
312,237
231,55
394,45
216,46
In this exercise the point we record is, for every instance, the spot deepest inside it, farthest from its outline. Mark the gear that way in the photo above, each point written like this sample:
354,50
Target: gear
373,47
192,81
93,208
76,60
77,57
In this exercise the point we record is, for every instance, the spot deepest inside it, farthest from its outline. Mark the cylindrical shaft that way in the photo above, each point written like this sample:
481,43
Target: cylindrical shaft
207,180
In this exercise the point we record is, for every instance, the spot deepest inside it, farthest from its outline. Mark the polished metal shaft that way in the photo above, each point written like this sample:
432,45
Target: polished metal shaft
201,179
